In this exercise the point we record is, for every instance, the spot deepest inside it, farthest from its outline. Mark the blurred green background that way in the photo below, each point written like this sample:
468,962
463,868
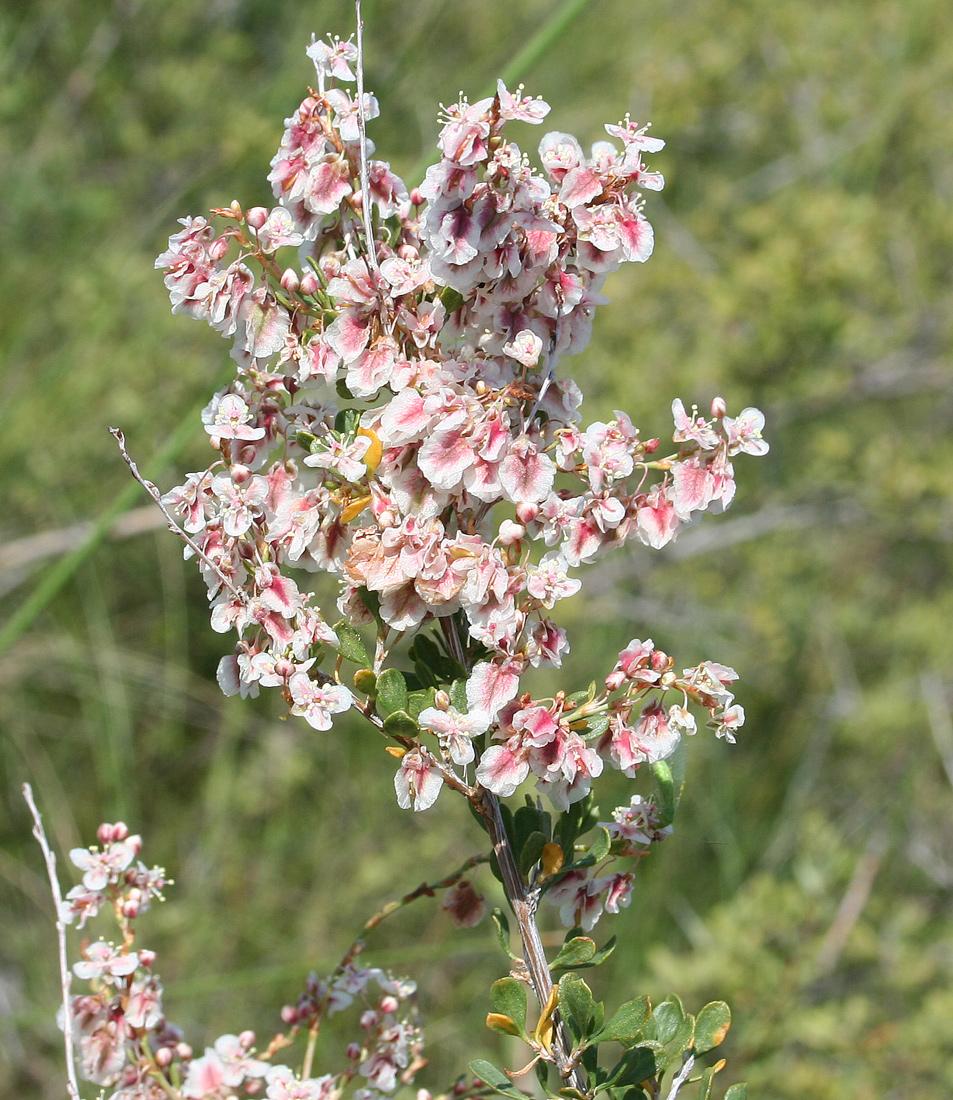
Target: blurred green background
802,265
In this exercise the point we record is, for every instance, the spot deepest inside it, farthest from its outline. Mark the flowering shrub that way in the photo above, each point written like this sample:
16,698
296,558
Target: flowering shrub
397,420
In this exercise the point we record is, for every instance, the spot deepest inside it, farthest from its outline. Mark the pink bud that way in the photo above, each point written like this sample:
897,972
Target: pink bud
353,1051
239,473
246,455
389,1004
651,446
290,280
284,667
256,217
252,1088
289,1014
247,1038
415,196
184,1051
130,908
658,661
369,1019
526,513
358,199
218,248
441,700
120,830
104,833
615,680
146,957
510,532
135,842
164,1056
718,408
309,283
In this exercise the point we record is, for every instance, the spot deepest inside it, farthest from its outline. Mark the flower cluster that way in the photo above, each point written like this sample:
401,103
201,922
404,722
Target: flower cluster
398,422
125,1042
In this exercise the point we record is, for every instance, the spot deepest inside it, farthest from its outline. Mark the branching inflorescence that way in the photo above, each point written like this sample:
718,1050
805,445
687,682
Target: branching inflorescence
397,420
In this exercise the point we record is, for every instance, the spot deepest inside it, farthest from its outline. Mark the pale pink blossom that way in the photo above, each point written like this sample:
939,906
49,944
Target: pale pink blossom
418,780
316,702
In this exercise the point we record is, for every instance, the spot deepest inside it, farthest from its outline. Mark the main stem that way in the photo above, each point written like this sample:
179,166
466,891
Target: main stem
524,909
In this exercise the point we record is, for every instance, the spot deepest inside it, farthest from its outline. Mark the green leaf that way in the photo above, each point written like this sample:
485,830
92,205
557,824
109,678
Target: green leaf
604,952
419,701
634,1067
542,1075
458,695
628,1022
711,1026
452,299
737,1092
671,1026
531,851
350,644
391,691
347,421
495,1078
572,1094
599,848
574,953
400,724
503,933
526,820
663,792
508,997
576,1005
597,727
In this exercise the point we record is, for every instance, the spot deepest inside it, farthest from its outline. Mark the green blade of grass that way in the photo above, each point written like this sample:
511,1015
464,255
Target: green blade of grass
59,574
533,52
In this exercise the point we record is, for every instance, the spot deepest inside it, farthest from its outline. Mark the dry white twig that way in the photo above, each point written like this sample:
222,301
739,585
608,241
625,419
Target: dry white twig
681,1077
153,491
72,1086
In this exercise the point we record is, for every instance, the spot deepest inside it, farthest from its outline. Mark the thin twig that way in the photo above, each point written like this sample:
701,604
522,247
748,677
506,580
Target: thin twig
425,889
681,1077
371,247
153,491
66,978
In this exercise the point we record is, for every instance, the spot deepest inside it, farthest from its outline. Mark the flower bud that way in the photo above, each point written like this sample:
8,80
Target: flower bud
718,408
218,248
289,1014
184,1051
389,1004
415,196
650,446
130,908
164,1057
247,1039
510,532
441,700
239,473
236,208
667,679
659,661
309,283
146,957
252,1088
290,280
526,512
369,1019
353,1051
256,217
246,455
